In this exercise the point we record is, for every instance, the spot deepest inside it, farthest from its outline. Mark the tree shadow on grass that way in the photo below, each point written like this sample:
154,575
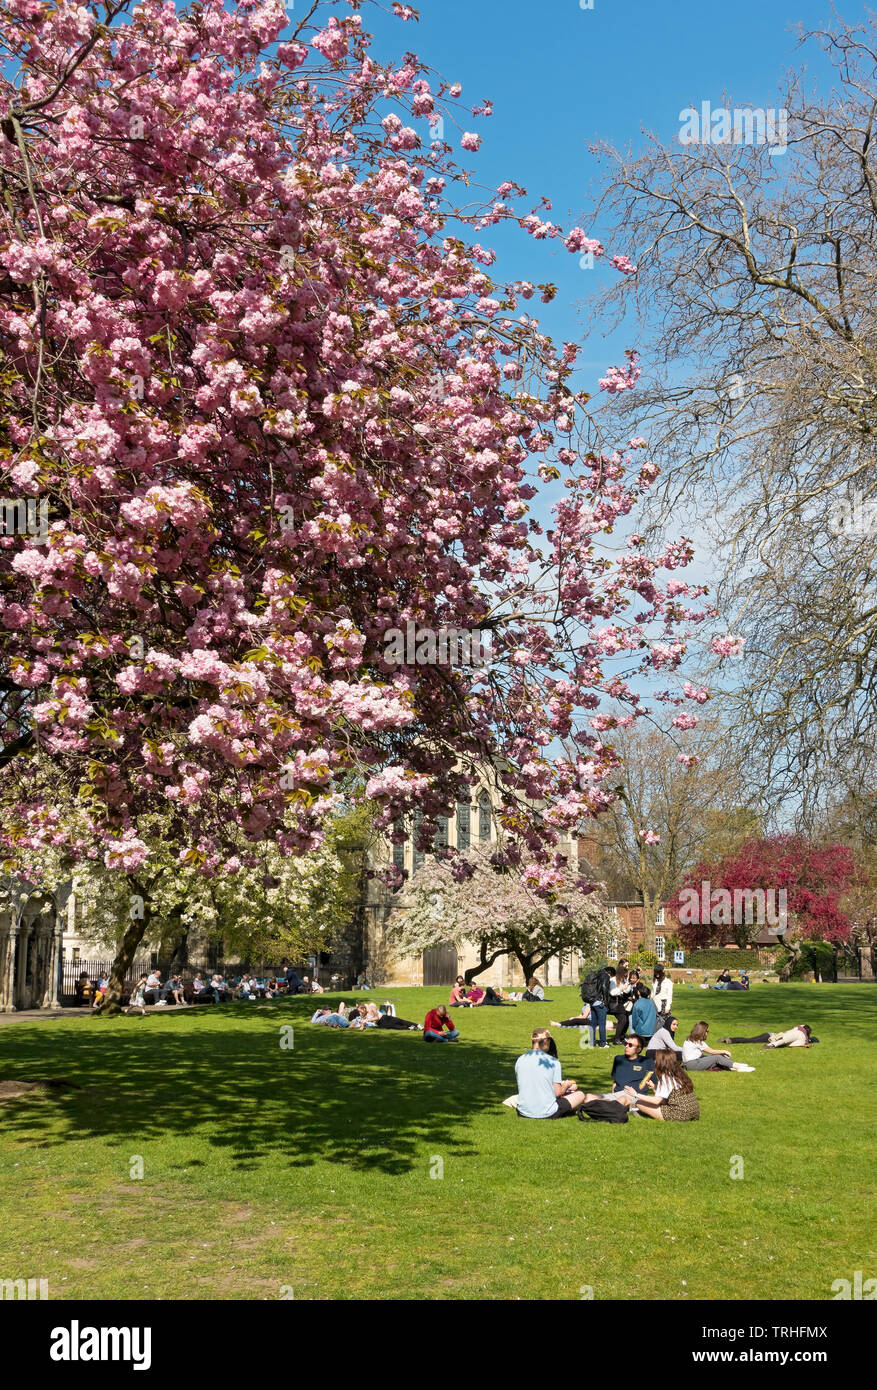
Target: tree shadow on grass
365,1100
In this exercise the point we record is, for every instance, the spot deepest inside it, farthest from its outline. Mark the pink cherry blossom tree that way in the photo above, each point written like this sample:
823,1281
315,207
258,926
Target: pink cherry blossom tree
272,405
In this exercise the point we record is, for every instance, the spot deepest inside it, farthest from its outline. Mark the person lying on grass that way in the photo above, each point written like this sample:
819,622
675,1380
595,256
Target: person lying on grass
696,1056
330,1018
365,1016
800,1036
435,1022
673,1095
582,1020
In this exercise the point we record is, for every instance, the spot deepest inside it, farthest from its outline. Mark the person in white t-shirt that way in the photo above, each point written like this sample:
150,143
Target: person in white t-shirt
696,1056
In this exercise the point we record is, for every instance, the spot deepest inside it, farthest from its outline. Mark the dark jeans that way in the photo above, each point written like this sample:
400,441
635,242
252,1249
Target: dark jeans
598,1018
403,1024
759,1038
622,1022
151,996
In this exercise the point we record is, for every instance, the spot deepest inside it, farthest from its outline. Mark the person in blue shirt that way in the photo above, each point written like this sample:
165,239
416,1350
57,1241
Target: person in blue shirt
543,1094
644,1015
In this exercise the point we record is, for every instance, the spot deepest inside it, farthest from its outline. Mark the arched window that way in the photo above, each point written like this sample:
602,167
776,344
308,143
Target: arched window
484,814
441,837
464,818
416,854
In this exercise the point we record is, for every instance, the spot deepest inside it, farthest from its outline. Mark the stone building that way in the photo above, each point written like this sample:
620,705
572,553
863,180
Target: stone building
32,934
473,824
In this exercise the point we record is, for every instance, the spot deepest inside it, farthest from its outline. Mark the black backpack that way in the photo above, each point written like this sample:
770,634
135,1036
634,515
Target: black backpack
611,1112
592,988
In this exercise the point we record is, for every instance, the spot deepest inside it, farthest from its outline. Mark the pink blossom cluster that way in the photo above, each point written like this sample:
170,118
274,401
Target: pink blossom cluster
264,296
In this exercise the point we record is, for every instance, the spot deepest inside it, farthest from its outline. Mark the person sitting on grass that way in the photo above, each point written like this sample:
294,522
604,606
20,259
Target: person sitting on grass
329,1018
742,983
800,1036
138,998
631,1069
458,998
435,1022
475,995
643,1015
673,1089
543,1094
723,979
696,1056
535,991
664,1040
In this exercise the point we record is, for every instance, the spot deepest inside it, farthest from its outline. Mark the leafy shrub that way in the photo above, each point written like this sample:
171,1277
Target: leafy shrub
816,956
590,964
719,960
643,960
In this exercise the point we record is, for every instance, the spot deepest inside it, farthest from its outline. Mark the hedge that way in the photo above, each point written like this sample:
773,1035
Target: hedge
749,958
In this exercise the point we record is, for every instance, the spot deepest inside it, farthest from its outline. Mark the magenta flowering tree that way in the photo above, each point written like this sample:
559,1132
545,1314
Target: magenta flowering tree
274,405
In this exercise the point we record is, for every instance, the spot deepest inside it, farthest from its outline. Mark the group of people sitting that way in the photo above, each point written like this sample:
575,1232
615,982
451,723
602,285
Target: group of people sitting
150,990
657,1087
724,981
651,1076
436,1027
465,996
470,996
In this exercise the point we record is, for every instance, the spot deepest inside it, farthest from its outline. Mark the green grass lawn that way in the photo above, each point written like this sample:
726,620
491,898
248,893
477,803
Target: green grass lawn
307,1172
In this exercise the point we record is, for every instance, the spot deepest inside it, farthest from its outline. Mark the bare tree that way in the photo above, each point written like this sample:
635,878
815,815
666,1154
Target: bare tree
757,263
660,796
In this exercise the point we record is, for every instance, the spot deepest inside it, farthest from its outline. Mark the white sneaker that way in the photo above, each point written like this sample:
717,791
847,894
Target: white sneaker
741,1066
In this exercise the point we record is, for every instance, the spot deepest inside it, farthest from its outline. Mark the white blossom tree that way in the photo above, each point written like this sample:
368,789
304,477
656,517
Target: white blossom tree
477,898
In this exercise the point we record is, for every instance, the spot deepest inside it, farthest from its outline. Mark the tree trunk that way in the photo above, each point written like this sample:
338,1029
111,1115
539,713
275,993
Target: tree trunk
124,959
179,946
485,962
794,949
649,912
530,964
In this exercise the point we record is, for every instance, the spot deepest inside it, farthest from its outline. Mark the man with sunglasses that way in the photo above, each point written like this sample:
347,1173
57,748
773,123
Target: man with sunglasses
630,1068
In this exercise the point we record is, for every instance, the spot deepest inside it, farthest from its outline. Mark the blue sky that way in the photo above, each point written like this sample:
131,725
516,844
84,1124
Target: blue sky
561,77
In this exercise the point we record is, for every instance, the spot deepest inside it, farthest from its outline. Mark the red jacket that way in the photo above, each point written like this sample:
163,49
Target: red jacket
435,1023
